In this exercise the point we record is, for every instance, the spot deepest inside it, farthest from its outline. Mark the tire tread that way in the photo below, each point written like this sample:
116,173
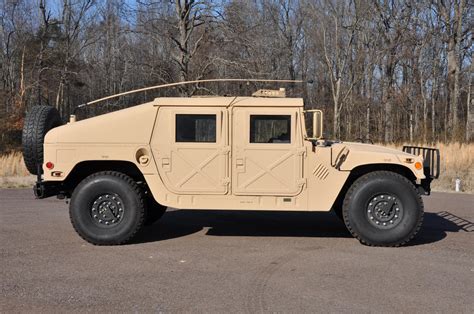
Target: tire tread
370,176
142,212
34,129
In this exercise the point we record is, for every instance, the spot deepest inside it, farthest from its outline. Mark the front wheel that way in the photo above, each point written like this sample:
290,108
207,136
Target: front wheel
383,208
107,208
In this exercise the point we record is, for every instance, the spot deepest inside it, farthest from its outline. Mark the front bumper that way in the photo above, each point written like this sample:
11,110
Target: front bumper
431,165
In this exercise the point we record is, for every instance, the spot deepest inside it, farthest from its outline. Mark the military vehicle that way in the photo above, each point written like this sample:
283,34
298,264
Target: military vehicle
121,170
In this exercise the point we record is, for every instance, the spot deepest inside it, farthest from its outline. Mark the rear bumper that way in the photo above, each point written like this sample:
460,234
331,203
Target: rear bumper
44,189
431,165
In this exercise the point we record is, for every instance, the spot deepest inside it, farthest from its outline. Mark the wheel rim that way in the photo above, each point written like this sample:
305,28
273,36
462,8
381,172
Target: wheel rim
107,210
385,211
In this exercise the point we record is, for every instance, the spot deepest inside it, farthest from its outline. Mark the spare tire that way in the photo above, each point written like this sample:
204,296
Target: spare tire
39,120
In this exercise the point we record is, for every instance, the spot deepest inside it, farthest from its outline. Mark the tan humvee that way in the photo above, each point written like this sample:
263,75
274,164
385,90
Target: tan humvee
122,169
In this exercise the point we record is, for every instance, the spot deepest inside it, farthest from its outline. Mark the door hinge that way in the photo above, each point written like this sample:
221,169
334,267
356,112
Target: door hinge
225,181
301,151
301,182
225,150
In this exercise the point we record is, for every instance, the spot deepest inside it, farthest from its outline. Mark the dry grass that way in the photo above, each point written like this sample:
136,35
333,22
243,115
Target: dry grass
457,161
12,165
17,182
13,172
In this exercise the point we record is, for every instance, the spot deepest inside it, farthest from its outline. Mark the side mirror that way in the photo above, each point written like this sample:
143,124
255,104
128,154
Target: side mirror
317,127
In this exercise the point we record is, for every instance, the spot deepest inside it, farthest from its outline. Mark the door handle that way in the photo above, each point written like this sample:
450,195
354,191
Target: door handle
165,162
239,162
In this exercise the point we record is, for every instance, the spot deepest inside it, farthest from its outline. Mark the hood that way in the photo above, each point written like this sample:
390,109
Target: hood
349,155
361,147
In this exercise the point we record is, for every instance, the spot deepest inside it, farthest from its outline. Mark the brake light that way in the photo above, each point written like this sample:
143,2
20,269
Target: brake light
49,165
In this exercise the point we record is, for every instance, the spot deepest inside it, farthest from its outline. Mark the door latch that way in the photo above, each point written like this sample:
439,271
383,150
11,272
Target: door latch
239,162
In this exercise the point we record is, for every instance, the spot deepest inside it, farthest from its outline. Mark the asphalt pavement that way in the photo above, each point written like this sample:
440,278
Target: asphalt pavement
234,261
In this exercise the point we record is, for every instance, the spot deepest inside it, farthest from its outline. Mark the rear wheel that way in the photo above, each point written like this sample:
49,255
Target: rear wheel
107,208
383,208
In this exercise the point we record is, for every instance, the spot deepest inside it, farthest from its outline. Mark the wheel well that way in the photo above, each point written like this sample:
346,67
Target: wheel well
86,168
359,171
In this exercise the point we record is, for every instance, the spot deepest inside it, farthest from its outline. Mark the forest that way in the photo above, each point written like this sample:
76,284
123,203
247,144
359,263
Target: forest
388,71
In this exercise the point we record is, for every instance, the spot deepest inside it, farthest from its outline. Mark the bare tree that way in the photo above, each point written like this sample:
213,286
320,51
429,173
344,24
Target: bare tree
470,105
390,70
190,16
452,12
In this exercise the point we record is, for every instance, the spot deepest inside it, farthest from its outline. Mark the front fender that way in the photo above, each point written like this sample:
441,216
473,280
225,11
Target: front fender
348,156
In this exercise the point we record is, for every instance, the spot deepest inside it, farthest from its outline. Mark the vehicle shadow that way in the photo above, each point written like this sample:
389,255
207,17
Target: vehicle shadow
437,225
179,223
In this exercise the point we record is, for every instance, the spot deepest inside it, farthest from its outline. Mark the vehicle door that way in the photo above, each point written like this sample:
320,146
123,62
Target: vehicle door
267,151
190,146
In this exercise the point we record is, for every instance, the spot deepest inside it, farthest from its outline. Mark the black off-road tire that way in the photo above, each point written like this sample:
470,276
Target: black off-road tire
364,214
337,208
154,210
338,211
38,121
107,208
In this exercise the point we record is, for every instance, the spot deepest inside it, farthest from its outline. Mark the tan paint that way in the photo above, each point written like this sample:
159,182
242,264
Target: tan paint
231,173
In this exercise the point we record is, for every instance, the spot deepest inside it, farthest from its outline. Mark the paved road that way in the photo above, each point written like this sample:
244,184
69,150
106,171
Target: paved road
210,261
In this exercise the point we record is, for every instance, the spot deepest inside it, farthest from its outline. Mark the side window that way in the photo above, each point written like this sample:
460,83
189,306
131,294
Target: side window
270,128
196,128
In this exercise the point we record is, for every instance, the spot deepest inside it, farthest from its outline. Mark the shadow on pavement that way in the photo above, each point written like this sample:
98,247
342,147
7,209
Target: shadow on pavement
436,225
179,223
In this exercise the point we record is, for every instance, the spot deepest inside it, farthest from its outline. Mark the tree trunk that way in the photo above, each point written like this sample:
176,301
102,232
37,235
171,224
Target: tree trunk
369,98
470,118
367,121
336,124
452,69
434,96
470,106
388,135
425,105
454,64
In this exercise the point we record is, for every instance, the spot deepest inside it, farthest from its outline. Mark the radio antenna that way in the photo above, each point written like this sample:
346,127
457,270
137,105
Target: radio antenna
186,83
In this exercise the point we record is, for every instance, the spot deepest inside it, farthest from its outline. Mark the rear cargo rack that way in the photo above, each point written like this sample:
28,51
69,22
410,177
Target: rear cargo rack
430,159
